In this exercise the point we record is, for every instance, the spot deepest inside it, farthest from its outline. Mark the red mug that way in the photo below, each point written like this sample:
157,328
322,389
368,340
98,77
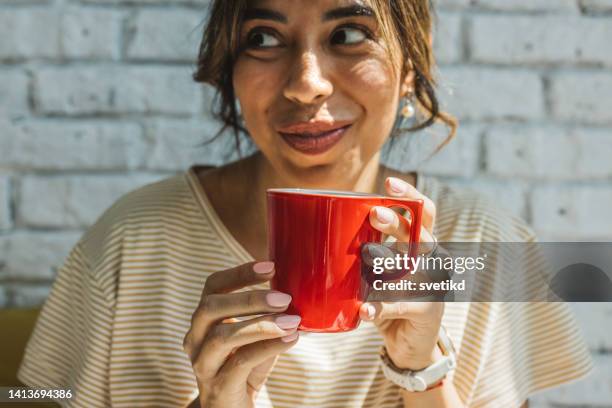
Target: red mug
315,239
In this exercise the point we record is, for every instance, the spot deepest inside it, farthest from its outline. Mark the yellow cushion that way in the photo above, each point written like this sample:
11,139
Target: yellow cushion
16,326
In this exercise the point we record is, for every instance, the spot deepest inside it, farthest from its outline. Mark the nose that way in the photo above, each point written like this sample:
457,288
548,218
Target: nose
306,84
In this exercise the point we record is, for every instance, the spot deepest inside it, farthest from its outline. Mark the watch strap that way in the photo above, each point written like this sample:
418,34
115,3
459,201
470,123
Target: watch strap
421,380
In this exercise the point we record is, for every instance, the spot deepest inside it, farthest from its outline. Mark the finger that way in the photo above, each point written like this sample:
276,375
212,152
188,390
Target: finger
426,244
399,188
389,222
248,274
225,337
214,308
235,372
416,312
371,251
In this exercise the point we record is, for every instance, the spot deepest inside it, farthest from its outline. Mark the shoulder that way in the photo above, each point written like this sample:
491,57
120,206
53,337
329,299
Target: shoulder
150,207
464,214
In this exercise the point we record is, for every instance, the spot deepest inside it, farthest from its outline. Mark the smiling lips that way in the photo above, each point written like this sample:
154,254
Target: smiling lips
314,137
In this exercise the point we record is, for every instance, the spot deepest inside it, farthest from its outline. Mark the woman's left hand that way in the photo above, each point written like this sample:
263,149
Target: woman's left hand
410,329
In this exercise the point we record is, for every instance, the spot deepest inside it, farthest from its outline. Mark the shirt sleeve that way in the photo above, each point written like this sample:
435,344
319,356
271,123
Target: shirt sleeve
70,344
525,346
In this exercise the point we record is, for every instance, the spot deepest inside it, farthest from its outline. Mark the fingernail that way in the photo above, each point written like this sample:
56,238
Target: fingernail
370,312
384,215
263,267
290,337
278,299
287,321
375,251
396,185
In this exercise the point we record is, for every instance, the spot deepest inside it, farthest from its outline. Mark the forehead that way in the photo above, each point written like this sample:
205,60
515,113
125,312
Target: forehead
306,4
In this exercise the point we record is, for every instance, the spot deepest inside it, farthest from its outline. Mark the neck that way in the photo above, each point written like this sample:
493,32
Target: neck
368,179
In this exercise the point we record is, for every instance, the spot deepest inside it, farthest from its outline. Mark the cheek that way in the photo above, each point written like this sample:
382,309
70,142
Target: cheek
376,89
254,85
372,74
374,86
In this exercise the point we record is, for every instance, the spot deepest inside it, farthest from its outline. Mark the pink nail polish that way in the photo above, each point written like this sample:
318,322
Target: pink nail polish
290,337
384,215
263,267
371,312
397,185
278,299
287,321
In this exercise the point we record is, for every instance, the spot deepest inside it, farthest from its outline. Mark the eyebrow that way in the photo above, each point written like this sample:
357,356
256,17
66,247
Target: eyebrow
349,11
256,13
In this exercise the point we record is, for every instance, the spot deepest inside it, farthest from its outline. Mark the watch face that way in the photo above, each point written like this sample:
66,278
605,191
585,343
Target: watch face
418,384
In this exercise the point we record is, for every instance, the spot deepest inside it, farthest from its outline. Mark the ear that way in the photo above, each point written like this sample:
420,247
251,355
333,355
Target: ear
408,82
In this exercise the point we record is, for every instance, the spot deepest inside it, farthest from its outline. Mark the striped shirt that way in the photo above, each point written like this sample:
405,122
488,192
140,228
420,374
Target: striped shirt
113,326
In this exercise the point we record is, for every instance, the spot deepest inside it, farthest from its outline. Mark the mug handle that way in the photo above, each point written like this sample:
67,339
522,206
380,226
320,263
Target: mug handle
415,208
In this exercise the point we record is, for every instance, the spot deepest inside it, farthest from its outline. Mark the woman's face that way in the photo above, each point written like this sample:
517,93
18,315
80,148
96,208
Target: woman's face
316,87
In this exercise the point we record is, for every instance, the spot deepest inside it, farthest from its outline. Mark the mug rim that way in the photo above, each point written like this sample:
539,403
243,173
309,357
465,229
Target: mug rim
322,193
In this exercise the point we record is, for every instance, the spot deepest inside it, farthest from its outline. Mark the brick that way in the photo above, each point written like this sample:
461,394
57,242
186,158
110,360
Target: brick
582,97
91,33
526,5
116,90
149,2
593,391
451,4
540,39
63,145
26,296
459,158
29,33
177,39
13,92
572,212
413,151
508,196
73,201
592,317
36,255
22,2
483,93
548,152
175,145
448,43
596,6
3,297
6,221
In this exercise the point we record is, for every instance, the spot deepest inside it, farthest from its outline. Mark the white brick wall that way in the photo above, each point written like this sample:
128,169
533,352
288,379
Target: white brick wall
115,90
66,145
5,204
96,98
484,93
13,92
582,96
537,39
71,201
175,40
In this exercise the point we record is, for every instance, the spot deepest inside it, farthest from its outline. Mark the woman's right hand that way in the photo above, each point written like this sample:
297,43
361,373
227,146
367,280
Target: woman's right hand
232,359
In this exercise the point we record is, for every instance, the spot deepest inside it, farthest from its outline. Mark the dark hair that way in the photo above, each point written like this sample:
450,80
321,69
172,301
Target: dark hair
406,26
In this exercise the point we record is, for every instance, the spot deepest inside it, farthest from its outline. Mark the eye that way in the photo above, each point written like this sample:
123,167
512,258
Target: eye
349,35
261,39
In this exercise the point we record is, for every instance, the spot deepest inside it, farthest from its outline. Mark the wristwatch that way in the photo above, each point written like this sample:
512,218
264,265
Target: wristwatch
421,380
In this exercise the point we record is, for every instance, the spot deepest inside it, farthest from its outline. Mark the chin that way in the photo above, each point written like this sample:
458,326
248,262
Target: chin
328,171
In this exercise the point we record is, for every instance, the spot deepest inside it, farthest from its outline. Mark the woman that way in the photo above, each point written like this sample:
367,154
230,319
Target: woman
143,313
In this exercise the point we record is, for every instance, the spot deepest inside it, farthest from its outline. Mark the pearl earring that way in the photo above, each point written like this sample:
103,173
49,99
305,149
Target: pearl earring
408,110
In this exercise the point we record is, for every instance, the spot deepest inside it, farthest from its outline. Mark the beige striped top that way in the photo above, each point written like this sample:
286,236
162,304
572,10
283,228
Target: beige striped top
113,325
